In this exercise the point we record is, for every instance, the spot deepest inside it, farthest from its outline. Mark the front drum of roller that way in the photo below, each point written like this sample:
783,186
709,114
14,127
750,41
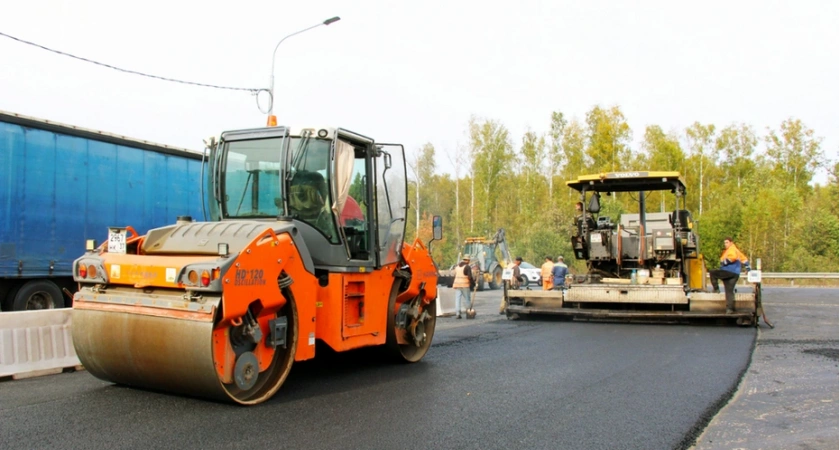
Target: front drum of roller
158,353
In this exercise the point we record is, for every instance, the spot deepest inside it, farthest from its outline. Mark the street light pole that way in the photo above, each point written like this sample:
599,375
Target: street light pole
272,119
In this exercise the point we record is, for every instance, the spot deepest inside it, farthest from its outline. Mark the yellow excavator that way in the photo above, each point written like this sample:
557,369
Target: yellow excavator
305,242
486,266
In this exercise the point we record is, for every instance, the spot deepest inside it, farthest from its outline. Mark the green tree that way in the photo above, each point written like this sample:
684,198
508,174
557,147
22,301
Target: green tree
795,153
660,152
608,139
531,183
663,151
492,154
736,148
423,168
767,201
700,139
574,152
831,191
555,157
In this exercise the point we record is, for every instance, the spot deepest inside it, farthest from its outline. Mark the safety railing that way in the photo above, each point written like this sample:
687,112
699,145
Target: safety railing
802,275
793,276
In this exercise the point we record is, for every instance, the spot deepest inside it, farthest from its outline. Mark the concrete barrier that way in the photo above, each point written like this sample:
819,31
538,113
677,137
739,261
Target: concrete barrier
445,302
34,343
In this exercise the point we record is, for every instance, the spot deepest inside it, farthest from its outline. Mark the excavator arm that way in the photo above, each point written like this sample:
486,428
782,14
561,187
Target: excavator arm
501,242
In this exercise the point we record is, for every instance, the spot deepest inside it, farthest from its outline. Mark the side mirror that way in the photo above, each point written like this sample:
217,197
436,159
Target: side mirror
437,228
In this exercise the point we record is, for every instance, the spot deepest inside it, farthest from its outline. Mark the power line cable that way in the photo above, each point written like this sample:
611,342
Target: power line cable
253,91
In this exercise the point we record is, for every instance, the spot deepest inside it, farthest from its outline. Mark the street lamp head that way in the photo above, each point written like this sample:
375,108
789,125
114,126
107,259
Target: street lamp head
272,119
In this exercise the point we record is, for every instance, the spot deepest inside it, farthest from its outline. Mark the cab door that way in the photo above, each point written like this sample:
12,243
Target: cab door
391,199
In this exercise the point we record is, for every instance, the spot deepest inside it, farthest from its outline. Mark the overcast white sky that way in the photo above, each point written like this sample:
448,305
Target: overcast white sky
414,72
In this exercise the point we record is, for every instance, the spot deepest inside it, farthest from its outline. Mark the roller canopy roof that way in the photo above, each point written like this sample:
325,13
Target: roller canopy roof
628,182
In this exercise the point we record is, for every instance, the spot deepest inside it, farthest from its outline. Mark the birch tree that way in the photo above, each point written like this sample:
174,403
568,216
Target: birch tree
492,154
795,152
700,139
423,168
736,146
608,138
554,158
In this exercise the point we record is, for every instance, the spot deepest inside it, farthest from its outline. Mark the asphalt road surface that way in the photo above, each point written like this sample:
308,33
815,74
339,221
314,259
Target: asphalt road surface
789,396
487,383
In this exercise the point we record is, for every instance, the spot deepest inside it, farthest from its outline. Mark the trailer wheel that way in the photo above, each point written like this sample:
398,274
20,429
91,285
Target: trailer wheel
38,294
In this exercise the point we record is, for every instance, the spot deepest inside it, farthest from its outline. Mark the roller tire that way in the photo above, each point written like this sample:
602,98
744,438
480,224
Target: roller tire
406,353
270,380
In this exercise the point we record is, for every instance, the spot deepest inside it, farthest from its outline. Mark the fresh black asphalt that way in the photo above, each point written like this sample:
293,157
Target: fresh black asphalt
487,383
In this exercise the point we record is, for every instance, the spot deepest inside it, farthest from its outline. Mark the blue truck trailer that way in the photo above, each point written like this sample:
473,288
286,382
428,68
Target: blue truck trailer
61,185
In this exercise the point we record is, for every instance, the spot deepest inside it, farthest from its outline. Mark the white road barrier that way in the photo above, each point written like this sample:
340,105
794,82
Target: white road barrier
36,343
445,302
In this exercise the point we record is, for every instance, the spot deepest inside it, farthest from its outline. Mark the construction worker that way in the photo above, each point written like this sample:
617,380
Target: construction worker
559,272
545,273
581,217
308,202
514,281
461,284
730,271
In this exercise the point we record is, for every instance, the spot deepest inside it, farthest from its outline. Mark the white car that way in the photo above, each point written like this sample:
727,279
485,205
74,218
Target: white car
529,274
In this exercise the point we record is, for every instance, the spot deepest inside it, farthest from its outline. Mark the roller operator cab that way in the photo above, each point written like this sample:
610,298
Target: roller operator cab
305,242
644,264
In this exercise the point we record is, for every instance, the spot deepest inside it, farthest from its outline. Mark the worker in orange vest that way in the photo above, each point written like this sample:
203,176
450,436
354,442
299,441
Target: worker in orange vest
461,284
545,273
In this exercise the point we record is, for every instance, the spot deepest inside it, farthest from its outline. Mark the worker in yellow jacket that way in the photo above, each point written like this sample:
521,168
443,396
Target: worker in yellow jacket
731,262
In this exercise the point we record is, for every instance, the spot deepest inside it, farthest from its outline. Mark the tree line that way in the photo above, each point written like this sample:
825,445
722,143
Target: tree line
764,197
